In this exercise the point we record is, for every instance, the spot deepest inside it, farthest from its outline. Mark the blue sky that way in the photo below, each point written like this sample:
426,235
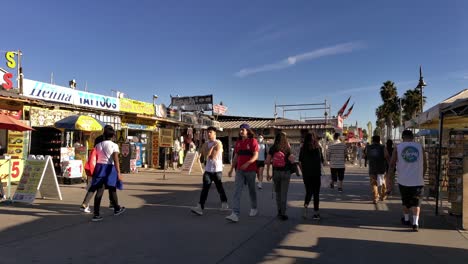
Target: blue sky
248,54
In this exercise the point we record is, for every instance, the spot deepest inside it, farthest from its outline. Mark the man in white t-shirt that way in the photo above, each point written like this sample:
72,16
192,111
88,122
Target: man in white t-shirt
212,150
410,161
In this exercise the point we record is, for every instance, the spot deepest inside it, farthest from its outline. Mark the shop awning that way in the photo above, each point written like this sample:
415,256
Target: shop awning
430,117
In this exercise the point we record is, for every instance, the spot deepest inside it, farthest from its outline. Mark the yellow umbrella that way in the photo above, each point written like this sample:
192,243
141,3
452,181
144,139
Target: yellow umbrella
80,122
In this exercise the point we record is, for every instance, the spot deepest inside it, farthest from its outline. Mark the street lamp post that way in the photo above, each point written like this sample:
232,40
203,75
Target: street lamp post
420,86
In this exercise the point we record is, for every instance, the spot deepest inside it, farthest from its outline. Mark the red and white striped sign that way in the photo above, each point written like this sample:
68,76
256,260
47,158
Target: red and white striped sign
219,109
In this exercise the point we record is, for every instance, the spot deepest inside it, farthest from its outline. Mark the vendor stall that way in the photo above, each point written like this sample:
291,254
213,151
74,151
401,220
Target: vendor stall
448,177
456,114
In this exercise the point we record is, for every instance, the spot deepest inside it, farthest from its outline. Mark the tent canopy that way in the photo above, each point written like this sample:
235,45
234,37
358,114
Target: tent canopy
429,119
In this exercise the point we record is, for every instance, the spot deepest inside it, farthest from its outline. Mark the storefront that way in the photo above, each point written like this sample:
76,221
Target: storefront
168,149
138,125
52,103
13,144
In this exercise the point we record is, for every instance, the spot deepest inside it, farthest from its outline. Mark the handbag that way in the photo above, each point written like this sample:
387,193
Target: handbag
297,166
324,179
296,169
91,163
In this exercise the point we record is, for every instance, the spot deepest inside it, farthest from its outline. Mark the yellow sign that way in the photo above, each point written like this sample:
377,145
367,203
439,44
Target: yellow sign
138,107
166,138
17,166
15,144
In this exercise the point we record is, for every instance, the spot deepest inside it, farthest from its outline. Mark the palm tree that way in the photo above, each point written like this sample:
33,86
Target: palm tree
412,103
380,122
390,108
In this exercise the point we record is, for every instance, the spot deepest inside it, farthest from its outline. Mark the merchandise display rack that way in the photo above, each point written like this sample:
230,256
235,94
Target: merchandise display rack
458,152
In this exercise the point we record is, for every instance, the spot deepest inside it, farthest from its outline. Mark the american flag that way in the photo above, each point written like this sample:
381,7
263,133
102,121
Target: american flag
219,109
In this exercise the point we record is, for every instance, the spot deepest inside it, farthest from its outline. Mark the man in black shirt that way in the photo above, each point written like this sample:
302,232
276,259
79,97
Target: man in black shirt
377,158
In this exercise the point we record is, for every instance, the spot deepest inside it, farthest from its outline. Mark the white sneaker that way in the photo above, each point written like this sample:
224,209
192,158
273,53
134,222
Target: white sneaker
259,185
86,210
197,210
253,212
224,206
233,218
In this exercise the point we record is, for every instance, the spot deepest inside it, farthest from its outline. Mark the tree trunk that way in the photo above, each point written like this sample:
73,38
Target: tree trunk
389,130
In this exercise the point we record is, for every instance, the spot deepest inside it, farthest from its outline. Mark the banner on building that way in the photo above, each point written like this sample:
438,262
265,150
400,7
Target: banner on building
137,107
66,95
96,101
161,111
48,92
193,103
42,117
340,122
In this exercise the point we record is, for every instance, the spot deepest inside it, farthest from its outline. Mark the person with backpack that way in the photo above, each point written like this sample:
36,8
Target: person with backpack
377,157
280,158
262,153
311,161
245,162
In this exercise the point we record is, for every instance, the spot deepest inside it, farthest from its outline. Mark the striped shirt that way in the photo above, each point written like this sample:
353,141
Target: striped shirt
337,154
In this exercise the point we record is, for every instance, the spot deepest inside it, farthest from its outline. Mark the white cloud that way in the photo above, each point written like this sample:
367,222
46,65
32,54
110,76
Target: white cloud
293,60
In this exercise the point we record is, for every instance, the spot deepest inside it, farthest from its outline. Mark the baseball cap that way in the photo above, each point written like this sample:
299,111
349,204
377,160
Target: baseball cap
245,125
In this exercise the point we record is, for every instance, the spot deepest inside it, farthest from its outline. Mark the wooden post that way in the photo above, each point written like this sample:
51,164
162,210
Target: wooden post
465,194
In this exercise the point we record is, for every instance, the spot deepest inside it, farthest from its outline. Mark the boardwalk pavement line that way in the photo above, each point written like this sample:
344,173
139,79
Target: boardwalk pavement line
247,240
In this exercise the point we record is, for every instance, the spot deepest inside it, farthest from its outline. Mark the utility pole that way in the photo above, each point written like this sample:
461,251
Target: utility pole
20,73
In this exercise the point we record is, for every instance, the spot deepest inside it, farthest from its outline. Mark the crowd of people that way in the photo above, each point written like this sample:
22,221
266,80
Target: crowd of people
251,155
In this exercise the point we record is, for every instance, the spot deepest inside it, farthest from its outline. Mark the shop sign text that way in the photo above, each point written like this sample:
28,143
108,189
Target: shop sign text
6,81
47,92
137,107
96,101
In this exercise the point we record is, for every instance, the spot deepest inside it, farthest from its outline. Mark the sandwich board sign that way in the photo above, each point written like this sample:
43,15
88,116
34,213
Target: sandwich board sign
38,175
192,159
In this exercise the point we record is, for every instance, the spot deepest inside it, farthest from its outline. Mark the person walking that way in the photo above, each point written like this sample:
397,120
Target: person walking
89,168
212,150
281,159
106,173
311,162
360,153
377,158
337,156
390,171
262,153
245,162
410,161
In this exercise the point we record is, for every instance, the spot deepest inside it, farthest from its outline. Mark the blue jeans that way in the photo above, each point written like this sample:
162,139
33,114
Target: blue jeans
244,177
281,180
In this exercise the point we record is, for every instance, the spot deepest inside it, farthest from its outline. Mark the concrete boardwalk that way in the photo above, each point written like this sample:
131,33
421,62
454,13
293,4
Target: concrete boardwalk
158,227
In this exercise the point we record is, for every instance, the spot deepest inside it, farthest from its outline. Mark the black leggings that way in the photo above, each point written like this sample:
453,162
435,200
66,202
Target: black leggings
312,186
100,191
